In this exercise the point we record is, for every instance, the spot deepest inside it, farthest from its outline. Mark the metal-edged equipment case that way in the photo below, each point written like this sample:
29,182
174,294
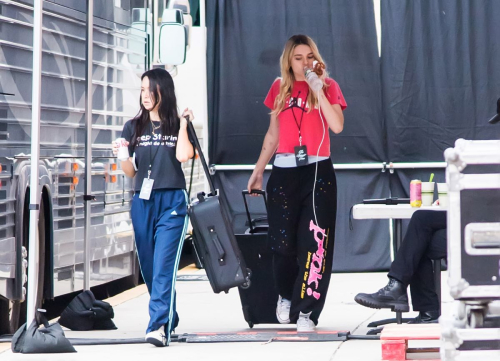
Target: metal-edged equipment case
473,177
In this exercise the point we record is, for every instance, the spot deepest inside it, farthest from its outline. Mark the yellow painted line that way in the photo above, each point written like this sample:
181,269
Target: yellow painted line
4,347
189,269
127,295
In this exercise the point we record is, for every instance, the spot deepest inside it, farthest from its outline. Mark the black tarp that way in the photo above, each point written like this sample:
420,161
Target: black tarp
437,80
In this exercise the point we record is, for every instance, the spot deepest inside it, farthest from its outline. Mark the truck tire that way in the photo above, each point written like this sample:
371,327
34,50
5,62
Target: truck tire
13,313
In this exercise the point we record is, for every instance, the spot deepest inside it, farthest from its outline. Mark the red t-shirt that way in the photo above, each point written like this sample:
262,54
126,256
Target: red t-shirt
311,127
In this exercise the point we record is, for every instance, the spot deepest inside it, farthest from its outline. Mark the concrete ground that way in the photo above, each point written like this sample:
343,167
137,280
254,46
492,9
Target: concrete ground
201,310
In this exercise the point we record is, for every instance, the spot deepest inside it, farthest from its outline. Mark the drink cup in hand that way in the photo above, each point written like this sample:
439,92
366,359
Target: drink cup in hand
313,80
122,149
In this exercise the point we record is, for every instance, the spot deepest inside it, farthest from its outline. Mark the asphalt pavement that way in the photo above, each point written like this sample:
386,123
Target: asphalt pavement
202,311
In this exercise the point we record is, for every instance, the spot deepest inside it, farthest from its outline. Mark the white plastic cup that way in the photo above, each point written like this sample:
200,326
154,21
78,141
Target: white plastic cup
443,194
122,149
427,193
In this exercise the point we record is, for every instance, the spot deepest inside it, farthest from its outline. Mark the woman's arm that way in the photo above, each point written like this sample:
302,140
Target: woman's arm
128,167
184,150
332,112
269,146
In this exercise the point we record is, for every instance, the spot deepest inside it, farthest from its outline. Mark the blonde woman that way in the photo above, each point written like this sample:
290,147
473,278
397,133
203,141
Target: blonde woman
302,188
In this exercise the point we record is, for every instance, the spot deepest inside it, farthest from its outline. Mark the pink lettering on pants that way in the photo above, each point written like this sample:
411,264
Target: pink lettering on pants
317,261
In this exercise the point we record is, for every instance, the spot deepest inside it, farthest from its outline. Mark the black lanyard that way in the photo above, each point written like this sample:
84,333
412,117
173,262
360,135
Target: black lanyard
150,151
299,125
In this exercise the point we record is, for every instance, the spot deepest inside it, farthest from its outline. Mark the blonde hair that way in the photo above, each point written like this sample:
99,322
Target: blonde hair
287,76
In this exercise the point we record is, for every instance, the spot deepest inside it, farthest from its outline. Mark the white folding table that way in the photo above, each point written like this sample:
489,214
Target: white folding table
397,213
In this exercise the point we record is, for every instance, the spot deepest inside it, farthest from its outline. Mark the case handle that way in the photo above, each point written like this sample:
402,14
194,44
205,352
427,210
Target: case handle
245,193
218,246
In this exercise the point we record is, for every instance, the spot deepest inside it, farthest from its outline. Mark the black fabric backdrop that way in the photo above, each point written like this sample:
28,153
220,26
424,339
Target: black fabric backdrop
245,41
440,78
437,80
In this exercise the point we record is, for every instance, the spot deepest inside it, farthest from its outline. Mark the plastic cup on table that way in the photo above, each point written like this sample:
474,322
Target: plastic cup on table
427,193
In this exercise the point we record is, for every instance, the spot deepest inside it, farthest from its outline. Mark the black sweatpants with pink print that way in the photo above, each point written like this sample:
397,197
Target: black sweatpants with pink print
302,249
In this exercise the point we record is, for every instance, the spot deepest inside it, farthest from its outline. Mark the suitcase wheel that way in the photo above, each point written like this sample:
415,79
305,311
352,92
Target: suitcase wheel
250,324
247,283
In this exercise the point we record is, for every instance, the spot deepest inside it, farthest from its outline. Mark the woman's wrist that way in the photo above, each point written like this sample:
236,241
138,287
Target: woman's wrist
259,169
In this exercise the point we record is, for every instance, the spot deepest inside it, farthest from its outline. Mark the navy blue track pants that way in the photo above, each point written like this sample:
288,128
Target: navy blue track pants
160,225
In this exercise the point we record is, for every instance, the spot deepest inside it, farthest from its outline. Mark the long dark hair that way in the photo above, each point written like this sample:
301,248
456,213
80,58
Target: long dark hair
162,89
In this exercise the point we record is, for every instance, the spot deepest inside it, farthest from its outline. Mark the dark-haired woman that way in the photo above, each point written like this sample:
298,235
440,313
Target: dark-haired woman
158,143
302,188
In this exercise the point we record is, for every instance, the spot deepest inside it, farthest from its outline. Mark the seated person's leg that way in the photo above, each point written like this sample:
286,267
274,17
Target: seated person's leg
423,293
416,244
418,236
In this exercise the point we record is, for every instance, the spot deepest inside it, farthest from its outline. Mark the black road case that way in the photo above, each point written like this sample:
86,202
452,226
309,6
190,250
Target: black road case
259,300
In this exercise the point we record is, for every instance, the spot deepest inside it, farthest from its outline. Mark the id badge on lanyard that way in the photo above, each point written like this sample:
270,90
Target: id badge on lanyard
147,187
301,154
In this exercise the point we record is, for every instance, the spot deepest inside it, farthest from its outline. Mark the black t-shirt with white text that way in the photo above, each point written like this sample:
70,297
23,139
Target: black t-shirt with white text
159,150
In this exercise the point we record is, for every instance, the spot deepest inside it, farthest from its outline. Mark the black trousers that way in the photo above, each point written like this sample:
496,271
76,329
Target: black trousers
412,265
302,249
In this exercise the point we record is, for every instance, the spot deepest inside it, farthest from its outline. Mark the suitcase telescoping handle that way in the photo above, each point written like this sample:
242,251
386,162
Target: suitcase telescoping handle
253,191
192,133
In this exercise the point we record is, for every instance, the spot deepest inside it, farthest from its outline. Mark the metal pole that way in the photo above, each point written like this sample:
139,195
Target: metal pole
34,206
354,166
156,31
203,81
88,143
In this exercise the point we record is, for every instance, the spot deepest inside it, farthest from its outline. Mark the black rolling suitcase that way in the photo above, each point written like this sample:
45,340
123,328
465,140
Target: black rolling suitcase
214,237
259,300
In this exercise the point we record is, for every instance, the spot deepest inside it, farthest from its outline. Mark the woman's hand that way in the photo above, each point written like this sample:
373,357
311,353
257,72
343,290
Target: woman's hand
319,68
255,182
117,143
189,113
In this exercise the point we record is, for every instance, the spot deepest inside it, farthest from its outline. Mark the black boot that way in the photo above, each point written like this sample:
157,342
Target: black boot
392,296
426,317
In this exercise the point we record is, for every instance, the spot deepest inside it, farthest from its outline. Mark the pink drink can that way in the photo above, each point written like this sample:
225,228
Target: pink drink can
416,193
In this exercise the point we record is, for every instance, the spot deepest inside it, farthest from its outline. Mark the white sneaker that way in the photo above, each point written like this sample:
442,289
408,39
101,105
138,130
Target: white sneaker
156,338
304,323
283,310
